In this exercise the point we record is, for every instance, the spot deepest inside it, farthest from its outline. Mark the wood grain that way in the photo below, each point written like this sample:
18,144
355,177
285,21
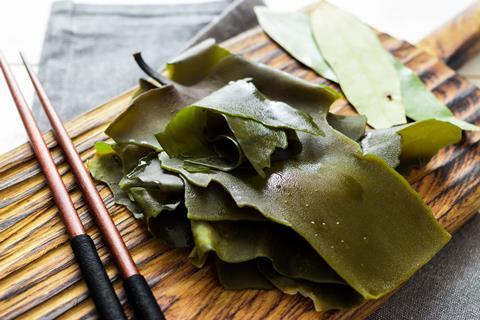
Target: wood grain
458,40
39,279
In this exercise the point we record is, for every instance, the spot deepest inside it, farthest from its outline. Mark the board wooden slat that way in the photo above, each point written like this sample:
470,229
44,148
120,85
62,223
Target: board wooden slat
458,40
39,279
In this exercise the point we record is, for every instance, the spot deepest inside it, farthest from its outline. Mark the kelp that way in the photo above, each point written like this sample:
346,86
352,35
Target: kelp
106,166
351,126
292,263
361,255
411,143
212,204
137,125
242,241
325,296
334,160
352,226
363,67
418,101
241,276
222,69
165,219
253,120
147,191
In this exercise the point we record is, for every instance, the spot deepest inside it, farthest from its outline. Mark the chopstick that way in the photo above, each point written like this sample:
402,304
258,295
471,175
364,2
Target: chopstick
99,285
136,287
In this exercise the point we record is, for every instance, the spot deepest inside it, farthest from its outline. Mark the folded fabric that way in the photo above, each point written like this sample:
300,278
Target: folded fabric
87,53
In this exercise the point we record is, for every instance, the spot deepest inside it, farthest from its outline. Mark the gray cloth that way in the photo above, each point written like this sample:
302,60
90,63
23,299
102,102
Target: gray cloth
87,53
447,288
86,60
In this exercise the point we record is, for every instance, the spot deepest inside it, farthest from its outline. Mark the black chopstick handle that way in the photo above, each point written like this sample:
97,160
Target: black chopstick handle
141,298
99,286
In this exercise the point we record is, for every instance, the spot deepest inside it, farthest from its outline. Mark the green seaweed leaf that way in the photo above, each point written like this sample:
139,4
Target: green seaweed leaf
165,216
328,194
351,126
241,276
106,166
149,174
258,142
148,114
214,204
242,241
325,296
254,120
322,163
148,192
367,258
238,244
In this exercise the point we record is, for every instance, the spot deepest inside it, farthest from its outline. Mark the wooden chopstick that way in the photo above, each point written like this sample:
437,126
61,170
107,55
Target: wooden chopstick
138,291
93,271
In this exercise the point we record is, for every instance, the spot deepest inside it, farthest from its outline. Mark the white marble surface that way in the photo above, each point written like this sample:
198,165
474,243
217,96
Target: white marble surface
23,24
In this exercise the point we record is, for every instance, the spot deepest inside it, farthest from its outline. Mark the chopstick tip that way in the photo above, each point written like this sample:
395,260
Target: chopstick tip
24,60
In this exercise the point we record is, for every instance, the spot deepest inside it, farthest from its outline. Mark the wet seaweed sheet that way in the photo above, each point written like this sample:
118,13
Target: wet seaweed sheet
313,215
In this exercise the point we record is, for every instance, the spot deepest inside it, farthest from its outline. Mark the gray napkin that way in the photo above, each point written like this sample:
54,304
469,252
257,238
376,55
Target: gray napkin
86,60
87,53
447,288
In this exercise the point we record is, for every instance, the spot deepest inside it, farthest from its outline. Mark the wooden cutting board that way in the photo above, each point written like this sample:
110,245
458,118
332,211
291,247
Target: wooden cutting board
39,278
